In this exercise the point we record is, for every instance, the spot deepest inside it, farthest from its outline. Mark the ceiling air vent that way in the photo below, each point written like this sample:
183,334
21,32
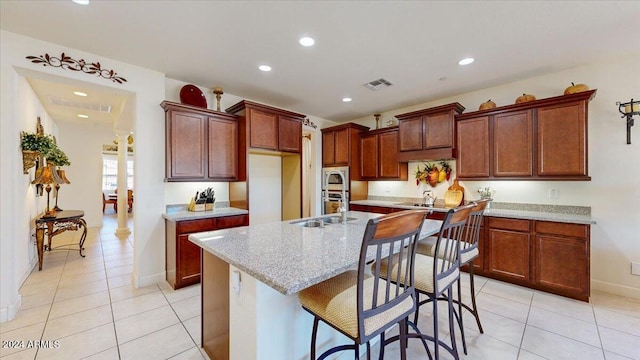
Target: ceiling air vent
378,84
79,105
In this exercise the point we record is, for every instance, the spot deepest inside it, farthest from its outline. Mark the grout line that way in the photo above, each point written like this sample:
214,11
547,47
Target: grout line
526,323
113,320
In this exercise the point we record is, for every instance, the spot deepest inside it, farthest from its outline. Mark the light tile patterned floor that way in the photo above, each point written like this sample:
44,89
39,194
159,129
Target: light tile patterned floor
89,305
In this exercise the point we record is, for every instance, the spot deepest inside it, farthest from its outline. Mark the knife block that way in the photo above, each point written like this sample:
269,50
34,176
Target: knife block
196,207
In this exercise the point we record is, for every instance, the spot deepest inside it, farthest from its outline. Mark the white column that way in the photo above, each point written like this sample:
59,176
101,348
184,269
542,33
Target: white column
123,229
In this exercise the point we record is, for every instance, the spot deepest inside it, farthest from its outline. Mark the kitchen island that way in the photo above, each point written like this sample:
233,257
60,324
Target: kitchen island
250,278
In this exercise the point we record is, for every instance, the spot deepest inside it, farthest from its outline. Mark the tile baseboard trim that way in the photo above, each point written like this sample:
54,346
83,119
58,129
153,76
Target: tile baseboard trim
616,289
8,313
142,281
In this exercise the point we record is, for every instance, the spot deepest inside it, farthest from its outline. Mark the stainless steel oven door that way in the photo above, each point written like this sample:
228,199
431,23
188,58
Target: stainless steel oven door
334,181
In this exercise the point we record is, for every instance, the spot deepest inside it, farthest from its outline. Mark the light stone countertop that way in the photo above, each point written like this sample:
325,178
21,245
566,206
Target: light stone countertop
290,257
182,215
564,214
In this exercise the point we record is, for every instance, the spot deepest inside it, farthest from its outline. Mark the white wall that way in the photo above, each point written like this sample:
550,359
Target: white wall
614,191
15,115
265,188
83,145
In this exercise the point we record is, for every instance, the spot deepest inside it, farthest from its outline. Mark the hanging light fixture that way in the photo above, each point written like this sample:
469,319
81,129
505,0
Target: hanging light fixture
627,110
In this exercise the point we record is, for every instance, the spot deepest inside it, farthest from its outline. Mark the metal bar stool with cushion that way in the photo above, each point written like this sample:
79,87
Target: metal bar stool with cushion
468,253
435,275
362,305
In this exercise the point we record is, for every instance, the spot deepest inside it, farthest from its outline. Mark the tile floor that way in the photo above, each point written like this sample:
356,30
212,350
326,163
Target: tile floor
89,305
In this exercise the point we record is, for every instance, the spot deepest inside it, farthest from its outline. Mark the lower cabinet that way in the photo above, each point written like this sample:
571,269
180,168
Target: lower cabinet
183,260
544,255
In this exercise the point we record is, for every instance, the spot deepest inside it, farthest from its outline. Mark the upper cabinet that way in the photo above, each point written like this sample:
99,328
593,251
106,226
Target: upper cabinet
341,147
428,134
270,128
379,160
544,139
201,144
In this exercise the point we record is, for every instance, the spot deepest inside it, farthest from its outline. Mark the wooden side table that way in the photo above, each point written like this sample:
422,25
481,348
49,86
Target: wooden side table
61,222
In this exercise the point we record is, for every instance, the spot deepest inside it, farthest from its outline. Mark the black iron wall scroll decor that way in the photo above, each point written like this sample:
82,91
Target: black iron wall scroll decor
65,62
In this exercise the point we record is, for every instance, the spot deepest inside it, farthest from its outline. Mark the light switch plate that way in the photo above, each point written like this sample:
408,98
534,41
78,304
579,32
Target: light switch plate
635,268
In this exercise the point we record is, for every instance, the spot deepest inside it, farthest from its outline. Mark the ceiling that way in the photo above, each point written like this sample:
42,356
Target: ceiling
416,45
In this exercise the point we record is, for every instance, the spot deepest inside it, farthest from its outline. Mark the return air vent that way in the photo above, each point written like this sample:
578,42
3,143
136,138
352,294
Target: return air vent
378,84
79,105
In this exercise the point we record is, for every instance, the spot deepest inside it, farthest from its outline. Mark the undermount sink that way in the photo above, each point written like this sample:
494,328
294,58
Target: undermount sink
320,222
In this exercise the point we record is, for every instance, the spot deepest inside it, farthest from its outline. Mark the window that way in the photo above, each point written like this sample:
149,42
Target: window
110,172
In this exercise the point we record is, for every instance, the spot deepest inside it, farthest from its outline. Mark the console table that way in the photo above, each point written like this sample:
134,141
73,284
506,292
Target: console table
61,222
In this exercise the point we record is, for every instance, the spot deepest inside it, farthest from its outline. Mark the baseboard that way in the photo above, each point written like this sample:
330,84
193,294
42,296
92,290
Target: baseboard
9,313
616,289
142,281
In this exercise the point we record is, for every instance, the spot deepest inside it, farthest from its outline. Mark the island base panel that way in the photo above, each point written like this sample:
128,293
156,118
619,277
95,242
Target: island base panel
215,307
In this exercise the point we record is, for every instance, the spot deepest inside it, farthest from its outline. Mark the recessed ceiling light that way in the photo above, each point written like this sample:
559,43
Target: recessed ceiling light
79,93
83,116
346,99
307,41
466,61
264,68
81,2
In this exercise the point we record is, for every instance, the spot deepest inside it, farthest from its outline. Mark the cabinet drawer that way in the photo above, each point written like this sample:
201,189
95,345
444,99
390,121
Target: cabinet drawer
232,221
554,228
191,226
509,224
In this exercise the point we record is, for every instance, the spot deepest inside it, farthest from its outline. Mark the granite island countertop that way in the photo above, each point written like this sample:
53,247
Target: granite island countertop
557,213
289,257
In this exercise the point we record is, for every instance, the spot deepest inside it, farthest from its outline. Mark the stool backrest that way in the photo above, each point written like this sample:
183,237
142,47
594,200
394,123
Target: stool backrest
474,222
381,302
446,264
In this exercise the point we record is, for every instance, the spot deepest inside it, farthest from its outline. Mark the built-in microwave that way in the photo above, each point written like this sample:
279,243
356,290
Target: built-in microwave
331,179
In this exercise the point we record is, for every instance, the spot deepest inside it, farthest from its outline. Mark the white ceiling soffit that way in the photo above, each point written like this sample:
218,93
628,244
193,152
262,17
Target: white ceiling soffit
411,43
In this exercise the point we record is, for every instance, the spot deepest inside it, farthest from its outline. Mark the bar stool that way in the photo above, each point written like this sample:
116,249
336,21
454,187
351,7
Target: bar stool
468,253
360,305
434,276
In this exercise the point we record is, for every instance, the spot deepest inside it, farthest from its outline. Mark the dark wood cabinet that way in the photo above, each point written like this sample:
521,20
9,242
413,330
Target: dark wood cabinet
473,148
562,139
513,144
509,249
341,147
270,128
428,133
379,160
201,144
183,263
538,140
561,253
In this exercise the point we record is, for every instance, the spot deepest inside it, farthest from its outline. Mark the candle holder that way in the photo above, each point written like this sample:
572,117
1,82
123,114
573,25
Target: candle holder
377,116
627,110
218,91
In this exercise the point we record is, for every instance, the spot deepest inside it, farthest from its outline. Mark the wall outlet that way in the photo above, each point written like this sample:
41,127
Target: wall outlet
635,268
553,193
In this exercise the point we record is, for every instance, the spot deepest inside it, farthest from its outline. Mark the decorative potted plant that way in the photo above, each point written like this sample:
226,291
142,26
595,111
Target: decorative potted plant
33,145
57,157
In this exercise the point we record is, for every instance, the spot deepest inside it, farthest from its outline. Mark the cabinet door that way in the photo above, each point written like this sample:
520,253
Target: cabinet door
389,168
342,147
289,134
264,129
562,264
223,149
328,148
369,158
512,144
473,147
509,254
226,222
410,134
188,267
562,142
438,131
187,144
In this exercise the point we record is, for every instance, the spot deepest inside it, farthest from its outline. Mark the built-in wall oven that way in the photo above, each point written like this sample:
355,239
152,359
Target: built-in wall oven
335,180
